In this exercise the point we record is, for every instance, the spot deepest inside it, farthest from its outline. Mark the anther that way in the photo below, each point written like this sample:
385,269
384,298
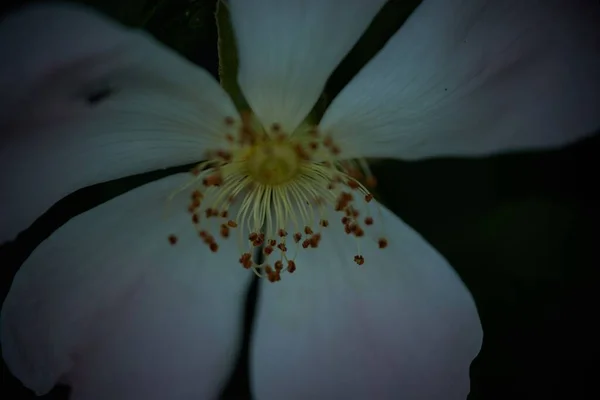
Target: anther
172,239
224,231
291,266
382,243
360,260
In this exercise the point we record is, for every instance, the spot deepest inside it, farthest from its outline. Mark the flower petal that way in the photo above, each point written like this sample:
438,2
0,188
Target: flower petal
288,49
402,326
473,78
86,101
124,314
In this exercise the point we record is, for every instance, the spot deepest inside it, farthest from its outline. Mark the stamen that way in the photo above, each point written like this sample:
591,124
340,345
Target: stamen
264,182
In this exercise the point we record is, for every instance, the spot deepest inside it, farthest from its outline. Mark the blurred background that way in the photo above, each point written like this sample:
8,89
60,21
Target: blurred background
520,229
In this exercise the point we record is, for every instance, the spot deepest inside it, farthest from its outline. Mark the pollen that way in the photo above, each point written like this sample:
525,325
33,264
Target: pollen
275,192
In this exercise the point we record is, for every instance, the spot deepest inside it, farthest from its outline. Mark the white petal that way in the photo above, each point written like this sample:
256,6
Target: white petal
470,78
402,326
109,306
288,49
162,111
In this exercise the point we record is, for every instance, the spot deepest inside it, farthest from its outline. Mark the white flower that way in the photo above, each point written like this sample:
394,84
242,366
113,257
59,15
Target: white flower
106,305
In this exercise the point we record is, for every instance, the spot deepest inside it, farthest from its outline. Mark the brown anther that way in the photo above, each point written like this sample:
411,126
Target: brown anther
172,239
324,223
203,234
371,182
368,221
229,121
224,214
358,232
291,266
275,127
268,250
352,184
360,260
313,145
278,265
213,180
213,247
335,150
229,137
224,231
300,152
355,173
314,241
272,277
368,197
196,195
297,237
306,243
348,229
232,224
345,220
253,236
224,155
307,230
246,260
282,247
272,242
195,218
282,233
208,212
382,243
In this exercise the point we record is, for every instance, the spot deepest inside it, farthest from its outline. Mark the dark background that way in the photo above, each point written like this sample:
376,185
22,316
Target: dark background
520,229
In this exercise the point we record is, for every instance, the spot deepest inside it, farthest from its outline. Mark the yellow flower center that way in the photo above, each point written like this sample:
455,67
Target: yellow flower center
272,163
278,181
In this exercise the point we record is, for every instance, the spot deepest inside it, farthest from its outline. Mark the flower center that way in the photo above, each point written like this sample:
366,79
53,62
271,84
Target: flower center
273,163
275,182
